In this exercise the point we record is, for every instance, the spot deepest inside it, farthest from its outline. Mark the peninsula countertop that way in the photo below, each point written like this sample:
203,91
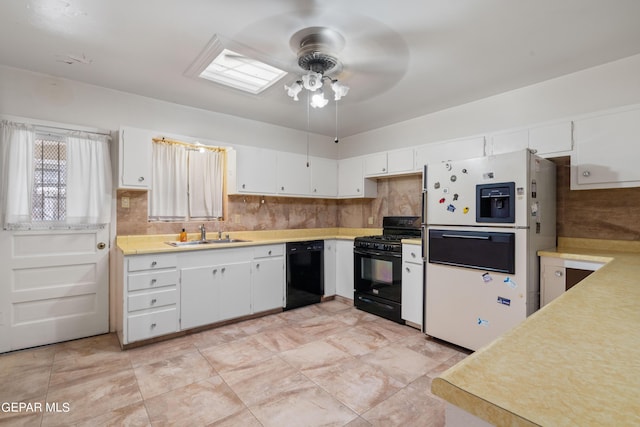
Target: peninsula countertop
575,362
143,244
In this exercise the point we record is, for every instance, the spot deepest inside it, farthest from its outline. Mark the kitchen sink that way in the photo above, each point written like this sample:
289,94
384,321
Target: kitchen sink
205,242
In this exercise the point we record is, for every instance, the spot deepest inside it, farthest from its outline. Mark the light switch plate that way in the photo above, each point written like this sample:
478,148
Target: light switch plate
125,202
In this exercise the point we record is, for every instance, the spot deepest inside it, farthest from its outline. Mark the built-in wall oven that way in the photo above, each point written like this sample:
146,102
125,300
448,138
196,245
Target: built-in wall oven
378,267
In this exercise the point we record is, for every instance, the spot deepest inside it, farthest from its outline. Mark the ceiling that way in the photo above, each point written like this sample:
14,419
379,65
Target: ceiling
401,59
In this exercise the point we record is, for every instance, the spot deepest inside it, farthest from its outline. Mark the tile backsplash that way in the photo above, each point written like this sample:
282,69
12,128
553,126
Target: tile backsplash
396,196
598,214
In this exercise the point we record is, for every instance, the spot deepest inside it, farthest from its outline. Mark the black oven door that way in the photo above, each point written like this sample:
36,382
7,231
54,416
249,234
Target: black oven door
378,274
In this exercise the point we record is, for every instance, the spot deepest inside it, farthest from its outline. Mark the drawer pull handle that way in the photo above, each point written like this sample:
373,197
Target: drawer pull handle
558,273
257,266
215,270
154,263
269,252
223,269
408,269
413,254
153,325
153,281
141,179
153,301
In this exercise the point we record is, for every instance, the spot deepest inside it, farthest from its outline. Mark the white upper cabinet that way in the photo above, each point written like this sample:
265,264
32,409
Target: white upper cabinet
375,164
251,171
551,139
400,161
607,150
546,140
508,142
458,149
324,177
390,163
134,158
293,174
351,180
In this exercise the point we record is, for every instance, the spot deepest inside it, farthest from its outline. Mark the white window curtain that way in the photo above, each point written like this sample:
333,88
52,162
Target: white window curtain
16,182
88,179
168,200
205,178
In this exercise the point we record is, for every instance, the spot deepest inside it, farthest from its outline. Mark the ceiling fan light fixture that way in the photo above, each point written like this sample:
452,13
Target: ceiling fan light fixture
339,89
294,90
318,100
312,81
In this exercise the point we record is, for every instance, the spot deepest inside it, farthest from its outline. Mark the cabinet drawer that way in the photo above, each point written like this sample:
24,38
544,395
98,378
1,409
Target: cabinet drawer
412,254
153,299
152,280
149,325
152,262
268,251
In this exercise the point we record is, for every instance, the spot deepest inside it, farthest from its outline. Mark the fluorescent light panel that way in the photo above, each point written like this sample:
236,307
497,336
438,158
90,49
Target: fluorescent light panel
241,72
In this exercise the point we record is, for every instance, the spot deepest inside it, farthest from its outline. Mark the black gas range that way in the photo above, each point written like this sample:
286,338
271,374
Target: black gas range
378,267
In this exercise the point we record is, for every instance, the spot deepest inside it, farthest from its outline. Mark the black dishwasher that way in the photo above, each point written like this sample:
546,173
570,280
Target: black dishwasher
305,273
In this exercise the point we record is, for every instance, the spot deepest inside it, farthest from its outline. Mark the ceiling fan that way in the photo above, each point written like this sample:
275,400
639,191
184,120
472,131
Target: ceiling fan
354,49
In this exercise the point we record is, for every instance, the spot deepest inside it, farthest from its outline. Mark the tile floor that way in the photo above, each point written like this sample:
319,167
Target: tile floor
327,364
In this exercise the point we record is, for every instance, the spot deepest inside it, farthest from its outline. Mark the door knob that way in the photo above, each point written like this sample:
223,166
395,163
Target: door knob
102,245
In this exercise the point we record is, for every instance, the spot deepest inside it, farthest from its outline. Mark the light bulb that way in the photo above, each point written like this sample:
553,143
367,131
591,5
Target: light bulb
312,81
318,100
293,90
339,90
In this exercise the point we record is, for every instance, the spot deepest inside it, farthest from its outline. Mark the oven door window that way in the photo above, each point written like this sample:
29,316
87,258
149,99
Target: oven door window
379,275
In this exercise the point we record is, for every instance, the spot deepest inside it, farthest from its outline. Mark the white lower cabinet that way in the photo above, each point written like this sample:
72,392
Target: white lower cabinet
344,268
149,297
558,275
412,284
329,267
235,290
267,278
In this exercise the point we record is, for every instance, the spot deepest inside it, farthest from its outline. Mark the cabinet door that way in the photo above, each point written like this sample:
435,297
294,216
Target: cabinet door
135,158
412,296
324,177
351,181
459,149
552,283
293,174
235,290
375,164
400,161
329,267
607,151
255,170
509,141
548,139
268,284
200,296
344,268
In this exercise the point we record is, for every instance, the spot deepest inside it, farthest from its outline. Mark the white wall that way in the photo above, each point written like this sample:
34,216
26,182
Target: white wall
43,97
599,88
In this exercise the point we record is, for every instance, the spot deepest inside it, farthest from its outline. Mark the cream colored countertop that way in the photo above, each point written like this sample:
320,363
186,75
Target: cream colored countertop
143,244
575,362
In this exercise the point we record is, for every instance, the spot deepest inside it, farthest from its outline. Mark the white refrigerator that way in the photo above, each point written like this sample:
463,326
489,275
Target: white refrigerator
486,218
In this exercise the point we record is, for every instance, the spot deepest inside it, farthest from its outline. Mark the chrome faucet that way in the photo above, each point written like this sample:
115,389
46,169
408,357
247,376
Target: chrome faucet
203,232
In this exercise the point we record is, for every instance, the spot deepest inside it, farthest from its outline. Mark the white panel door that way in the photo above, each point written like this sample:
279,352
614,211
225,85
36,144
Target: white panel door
54,286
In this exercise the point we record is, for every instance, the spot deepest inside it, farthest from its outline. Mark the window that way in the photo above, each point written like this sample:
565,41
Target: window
49,188
59,180
187,182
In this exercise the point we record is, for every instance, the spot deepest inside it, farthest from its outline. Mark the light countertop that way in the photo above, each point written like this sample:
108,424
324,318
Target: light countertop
142,244
575,362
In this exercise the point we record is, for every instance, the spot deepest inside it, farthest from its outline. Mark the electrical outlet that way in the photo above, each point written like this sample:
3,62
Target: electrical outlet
124,202
370,220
